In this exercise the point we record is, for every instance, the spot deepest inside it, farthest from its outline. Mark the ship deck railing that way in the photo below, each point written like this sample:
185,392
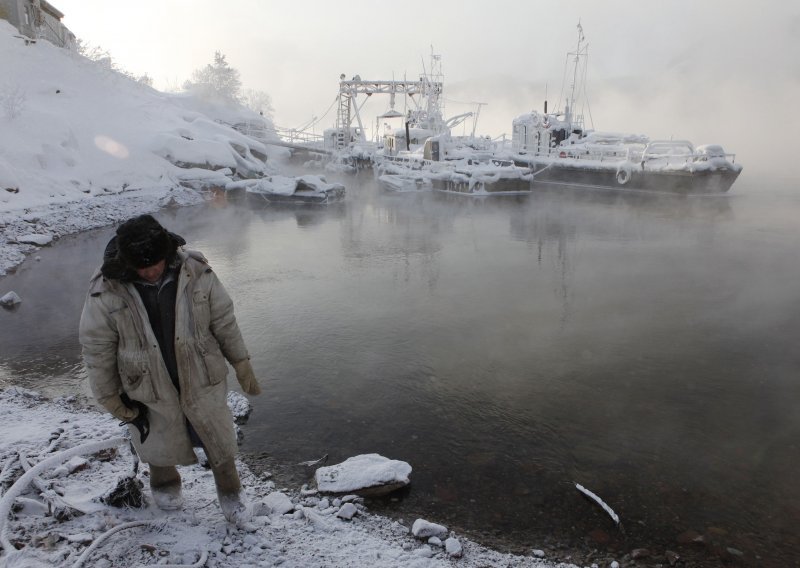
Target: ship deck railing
299,136
629,154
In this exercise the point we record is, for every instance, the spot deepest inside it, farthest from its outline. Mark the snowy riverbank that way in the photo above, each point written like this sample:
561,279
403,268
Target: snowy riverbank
305,532
19,230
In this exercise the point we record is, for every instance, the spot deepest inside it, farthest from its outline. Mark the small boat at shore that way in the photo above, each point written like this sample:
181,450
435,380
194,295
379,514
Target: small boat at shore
402,183
278,189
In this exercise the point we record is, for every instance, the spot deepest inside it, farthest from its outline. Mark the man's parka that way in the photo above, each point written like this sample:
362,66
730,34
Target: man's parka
122,354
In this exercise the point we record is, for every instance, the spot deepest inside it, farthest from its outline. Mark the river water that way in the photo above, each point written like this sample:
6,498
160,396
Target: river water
507,348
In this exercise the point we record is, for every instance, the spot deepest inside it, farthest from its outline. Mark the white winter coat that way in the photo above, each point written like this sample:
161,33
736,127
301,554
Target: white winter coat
121,353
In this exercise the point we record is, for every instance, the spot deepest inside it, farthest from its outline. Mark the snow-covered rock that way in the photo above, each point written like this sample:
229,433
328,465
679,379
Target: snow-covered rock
240,407
347,511
276,503
316,183
279,185
453,547
82,538
35,239
424,529
10,299
317,521
310,501
367,474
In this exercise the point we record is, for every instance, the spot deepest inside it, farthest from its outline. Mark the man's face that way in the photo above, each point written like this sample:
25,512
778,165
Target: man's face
152,273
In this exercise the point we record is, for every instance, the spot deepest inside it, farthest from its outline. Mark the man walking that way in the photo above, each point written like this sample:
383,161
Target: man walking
156,329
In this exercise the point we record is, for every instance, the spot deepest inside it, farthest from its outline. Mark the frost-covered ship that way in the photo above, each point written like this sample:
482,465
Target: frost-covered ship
425,155
559,150
555,148
618,161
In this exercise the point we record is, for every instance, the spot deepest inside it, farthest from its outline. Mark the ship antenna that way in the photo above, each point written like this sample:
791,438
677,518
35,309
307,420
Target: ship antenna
571,101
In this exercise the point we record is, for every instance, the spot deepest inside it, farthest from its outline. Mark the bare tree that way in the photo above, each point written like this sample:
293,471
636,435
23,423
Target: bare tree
98,55
259,101
144,79
103,59
12,101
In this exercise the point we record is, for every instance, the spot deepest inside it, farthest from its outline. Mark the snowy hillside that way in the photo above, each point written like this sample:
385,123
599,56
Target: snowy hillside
73,130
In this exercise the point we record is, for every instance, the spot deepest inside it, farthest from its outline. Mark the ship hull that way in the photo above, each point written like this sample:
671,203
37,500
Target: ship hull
678,181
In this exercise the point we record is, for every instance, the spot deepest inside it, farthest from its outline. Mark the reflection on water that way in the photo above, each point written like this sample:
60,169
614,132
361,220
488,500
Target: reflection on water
506,348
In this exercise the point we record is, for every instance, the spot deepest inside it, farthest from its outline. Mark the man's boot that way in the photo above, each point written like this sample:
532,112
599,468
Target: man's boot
229,493
165,484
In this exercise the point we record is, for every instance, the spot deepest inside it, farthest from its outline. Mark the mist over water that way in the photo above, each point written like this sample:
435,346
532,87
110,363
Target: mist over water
506,348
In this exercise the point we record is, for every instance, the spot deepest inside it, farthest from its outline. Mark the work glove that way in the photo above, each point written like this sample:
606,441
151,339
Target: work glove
119,409
139,421
246,377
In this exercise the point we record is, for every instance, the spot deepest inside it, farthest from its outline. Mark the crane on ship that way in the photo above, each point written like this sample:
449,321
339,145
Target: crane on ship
426,112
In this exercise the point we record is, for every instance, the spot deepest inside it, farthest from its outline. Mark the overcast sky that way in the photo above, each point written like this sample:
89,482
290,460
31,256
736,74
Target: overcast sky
683,68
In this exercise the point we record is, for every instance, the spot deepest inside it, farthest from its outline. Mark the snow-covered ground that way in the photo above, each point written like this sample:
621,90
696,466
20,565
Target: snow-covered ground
293,526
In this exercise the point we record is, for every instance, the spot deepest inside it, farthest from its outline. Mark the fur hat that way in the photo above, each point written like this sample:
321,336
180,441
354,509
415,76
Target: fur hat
143,242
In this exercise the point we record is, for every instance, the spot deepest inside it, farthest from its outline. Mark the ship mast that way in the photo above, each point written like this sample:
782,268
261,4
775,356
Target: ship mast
430,110
582,50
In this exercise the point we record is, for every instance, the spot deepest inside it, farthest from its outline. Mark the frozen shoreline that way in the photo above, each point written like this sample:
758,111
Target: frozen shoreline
309,535
63,219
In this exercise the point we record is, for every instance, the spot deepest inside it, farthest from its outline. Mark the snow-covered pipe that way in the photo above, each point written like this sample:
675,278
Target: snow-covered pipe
104,537
133,524
596,499
21,484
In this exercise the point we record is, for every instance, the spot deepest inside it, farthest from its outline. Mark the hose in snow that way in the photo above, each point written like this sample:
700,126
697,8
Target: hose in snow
133,524
22,483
